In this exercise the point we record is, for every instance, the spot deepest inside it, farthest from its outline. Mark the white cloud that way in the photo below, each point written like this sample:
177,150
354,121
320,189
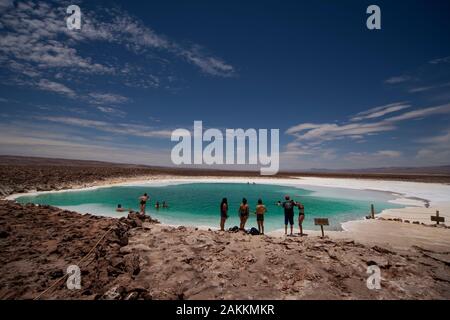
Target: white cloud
6,4
419,113
108,98
388,153
332,131
37,141
48,85
436,150
128,129
398,79
378,112
443,139
310,138
210,65
440,60
112,111
35,42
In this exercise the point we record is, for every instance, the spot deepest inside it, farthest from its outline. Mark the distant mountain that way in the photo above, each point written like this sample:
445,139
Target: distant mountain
36,161
433,170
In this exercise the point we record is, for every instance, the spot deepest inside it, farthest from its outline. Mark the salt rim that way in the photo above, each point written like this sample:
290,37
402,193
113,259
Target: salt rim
407,193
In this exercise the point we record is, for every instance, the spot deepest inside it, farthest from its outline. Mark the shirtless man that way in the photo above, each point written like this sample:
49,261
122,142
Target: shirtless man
143,202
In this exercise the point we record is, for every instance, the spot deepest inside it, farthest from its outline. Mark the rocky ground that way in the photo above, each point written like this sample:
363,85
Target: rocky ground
140,259
38,243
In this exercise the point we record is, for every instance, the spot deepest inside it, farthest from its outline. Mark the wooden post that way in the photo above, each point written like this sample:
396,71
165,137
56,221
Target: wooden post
372,210
437,218
321,228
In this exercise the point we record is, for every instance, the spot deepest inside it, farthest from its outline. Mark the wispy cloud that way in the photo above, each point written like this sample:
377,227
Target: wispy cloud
116,128
435,149
333,131
112,111
36,43
381,111
440,60
427,88
108,98
398,79
420,113
388,153
34,140
47,85
310,137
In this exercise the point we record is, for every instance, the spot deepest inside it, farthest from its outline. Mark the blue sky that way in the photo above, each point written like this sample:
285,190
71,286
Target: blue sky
342,96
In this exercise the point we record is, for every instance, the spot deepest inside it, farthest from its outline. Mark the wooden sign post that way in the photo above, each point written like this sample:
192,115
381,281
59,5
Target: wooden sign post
372,211
321,222
437,218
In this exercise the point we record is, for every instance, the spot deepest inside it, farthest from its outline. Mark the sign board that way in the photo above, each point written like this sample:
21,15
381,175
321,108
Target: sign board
321,222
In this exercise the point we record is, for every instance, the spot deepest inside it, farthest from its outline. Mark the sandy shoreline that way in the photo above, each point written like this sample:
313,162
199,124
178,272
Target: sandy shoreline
414,195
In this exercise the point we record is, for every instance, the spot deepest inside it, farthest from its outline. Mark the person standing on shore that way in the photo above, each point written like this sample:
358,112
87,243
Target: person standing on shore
244,212
260,211
143,202
223,213
288,206
301,216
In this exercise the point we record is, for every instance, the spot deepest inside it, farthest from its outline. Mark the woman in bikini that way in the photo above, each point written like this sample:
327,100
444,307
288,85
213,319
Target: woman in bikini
301,216
243,213
223,213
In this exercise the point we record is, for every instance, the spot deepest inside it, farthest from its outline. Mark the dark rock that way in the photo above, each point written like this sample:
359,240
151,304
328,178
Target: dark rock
55,274
4,234
132,264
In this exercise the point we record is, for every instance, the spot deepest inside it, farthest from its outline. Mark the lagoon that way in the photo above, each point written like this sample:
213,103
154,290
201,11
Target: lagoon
197,204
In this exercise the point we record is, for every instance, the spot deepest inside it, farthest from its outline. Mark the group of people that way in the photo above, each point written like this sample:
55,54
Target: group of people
260,210
142,205
163,205
244,212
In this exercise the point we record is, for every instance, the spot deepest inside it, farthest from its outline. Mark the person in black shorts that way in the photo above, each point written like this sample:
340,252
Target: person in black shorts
143,202
288,206
244,212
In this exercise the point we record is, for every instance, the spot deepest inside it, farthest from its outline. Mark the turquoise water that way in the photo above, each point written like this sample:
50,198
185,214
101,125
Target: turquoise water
198,203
